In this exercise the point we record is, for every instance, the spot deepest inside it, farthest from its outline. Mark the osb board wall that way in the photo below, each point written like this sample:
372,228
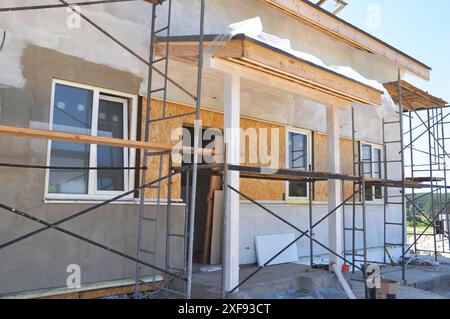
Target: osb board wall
260,190
265,189
161,132
320,164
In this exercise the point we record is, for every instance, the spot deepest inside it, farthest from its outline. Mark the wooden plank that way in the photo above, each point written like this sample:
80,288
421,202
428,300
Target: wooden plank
215,185
413,97
78,138
104,292
189,49
216,238
336,27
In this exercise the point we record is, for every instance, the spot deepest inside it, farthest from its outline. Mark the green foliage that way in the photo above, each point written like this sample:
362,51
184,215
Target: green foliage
425,203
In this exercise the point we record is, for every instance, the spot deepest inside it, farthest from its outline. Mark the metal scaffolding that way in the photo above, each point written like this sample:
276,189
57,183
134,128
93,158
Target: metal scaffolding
354,255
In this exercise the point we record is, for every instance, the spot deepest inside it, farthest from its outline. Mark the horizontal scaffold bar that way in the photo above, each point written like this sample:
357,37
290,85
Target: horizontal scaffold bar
79,138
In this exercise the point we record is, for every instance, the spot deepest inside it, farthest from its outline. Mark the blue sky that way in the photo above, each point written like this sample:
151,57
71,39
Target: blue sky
418,28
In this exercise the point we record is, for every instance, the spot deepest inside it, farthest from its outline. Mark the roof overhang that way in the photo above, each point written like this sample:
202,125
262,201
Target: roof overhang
413,98
329,23
256,55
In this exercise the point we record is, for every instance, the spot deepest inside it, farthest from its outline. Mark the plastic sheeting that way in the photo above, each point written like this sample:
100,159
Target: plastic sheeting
254,29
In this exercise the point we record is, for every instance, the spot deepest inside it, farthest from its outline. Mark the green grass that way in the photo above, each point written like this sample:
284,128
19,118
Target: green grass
419,230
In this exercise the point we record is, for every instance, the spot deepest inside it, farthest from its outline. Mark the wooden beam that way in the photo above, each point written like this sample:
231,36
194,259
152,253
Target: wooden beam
79,138
311,75
259,56
283,83
344,31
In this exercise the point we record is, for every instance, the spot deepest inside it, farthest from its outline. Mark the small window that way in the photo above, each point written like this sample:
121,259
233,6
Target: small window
88,111
298,158
371,157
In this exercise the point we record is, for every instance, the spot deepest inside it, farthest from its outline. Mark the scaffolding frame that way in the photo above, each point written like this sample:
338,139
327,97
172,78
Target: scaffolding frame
184,274
434,129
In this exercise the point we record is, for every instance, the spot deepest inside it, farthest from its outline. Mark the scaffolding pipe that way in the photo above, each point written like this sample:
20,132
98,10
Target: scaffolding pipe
402,154
197,133
432,184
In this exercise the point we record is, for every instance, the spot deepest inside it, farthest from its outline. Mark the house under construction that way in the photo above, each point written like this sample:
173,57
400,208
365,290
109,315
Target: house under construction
142,140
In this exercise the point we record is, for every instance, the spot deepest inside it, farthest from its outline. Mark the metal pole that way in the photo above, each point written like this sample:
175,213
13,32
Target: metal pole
363,195
168,217
147,135
310,204
445,176
186,221
432,186
386,193
197,133
354,190
402,153
412,176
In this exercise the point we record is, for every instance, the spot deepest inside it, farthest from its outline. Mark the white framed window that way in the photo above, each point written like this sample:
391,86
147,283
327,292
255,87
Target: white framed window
371,156
83,109
299,150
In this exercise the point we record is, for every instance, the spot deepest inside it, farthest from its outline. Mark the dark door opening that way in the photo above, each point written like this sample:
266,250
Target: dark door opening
203,226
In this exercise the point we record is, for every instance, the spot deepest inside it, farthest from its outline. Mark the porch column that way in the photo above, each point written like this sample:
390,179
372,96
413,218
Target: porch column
334,187
232,110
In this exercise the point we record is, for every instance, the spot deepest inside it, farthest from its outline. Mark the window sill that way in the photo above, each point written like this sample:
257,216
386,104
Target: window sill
290,203
119,202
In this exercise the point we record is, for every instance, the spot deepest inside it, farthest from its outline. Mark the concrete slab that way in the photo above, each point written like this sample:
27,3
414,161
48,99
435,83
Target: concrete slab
423,282
280,281
405,292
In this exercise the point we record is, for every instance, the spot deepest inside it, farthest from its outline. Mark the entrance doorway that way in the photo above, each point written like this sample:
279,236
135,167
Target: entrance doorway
206,186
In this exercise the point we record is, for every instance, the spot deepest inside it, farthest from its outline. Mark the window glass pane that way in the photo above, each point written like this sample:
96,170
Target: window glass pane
367,157
298,151
377,163
298,189
69,181
369,193
378,192
298,158
110,124
377,172
72,112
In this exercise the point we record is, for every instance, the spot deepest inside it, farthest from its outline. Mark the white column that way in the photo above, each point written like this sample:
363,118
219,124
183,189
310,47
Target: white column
232,110
335,227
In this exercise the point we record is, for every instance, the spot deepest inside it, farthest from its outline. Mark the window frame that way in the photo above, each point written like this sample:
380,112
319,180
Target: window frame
309,148
129,127
380,148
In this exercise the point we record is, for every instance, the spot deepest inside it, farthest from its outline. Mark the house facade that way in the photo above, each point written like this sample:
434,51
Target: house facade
59,73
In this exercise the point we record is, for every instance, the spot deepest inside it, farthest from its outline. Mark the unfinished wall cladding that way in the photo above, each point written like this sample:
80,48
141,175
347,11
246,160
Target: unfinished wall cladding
40,262
40,47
